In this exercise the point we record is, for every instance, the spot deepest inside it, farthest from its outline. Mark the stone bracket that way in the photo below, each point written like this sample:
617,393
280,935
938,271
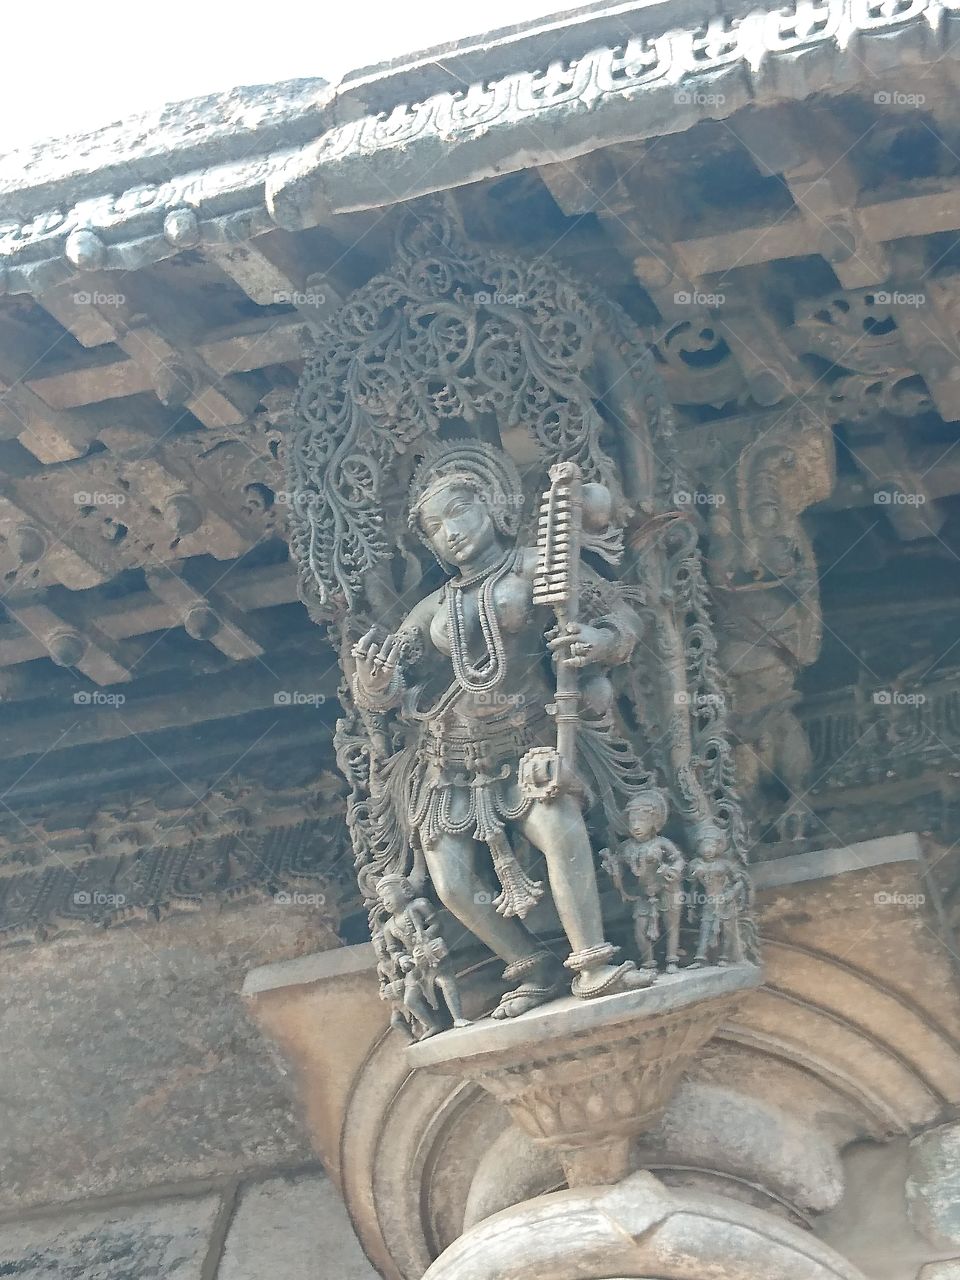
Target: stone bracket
584,1077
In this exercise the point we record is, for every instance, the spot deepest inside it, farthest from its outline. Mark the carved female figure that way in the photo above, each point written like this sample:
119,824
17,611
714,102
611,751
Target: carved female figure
724,886
470,671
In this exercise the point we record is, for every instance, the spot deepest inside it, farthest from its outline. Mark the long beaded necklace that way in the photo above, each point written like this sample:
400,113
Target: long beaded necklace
491,668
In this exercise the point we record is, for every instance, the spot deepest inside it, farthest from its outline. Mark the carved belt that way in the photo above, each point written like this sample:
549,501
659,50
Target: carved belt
482,746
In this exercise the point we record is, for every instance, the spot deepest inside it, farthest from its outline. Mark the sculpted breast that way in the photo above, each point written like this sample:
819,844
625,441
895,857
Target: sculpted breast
513,598
440,631
512,603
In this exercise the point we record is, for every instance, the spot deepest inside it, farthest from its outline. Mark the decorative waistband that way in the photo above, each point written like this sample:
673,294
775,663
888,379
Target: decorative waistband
486,742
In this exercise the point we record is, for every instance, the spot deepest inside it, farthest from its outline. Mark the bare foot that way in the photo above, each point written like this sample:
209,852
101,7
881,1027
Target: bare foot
607,979
526,997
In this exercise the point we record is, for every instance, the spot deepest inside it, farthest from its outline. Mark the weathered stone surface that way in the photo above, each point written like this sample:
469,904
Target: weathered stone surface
166,1241
129,1061
639,1228
306,1006
949,1270
933,1185
214,128
294,1229
706,1127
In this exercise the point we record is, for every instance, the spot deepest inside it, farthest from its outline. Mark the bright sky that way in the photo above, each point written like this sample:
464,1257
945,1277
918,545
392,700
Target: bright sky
70,67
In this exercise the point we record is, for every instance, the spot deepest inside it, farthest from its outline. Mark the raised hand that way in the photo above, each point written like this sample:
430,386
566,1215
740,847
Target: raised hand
376,660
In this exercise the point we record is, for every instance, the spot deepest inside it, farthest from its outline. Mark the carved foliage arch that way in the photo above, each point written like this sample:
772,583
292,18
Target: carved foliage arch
455,340
449,334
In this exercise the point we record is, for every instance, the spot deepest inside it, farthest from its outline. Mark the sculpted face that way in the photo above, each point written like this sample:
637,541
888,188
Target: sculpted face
393,897
712,843
644,819
642,823
457,525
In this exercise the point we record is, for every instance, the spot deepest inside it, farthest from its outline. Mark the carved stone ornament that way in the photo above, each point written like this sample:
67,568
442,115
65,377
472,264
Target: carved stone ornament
475,440
584,1079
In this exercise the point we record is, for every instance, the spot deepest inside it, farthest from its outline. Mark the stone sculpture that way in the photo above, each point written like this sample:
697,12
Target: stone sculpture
413,960
724,895
498,719
656,866
483,634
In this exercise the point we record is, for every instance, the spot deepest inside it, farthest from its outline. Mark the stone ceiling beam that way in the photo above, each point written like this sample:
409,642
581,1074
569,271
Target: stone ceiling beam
51,435
771,369
268,341
153,332
39,540
143,613
86,648
792,237
272,270
205,615
256,344
637,219
231,693
813,158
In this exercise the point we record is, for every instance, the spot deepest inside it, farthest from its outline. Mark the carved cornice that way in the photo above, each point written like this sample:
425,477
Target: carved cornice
292,865
666,81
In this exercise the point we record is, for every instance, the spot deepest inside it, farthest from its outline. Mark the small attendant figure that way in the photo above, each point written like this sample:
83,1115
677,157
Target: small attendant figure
656,865
723,887
392,984
412,938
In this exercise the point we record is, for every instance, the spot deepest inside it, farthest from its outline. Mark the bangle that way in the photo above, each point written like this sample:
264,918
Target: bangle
378,701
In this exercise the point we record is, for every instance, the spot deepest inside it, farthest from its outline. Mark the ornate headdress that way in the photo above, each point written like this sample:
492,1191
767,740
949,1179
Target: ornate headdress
488,472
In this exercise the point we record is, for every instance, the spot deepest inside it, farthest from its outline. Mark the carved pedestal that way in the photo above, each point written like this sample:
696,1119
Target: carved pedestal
585,1077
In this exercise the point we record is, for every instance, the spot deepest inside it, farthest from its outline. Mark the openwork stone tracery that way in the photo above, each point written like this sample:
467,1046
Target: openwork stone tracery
427,420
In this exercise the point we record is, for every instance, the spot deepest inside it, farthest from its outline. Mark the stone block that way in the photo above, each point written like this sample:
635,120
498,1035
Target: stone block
933,1185
949,1270
164,1241
129,1061
294,1229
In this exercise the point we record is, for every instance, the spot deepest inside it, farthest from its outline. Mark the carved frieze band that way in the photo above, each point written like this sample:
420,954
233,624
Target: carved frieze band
881,735
607,95
290,865
143,861
610,1089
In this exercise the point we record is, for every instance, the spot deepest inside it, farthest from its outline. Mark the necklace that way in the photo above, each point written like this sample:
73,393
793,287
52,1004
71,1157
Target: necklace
490,670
